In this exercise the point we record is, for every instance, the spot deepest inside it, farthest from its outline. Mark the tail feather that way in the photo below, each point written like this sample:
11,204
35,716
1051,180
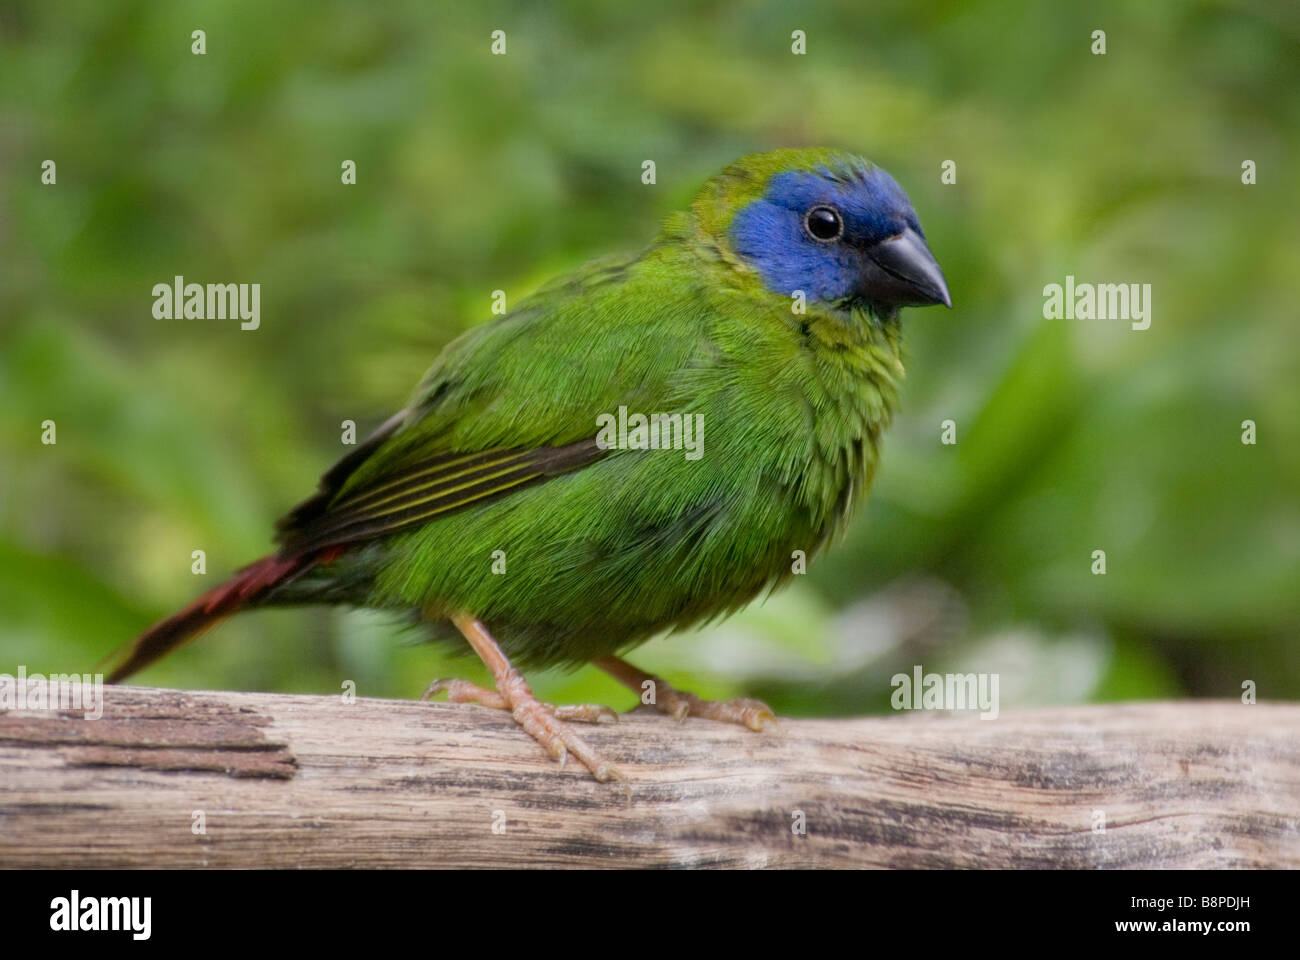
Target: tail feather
226,598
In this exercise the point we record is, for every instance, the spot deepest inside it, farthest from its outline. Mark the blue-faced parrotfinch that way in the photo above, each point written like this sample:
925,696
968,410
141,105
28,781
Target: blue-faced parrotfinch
641,445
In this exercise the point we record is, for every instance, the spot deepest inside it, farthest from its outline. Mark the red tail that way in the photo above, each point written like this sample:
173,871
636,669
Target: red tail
221,601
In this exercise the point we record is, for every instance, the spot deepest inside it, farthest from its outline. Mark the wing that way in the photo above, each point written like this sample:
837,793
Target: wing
439,485
514,403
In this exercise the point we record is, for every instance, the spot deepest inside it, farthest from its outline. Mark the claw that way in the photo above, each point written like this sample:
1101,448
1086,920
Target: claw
754,714
607,771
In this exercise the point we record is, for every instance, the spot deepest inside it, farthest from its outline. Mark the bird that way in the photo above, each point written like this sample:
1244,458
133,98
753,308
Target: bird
519,505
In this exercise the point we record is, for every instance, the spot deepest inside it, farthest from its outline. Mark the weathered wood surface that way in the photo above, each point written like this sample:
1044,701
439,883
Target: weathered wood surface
298,781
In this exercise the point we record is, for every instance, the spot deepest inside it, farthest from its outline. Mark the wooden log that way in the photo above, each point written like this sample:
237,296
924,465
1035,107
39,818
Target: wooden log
169,778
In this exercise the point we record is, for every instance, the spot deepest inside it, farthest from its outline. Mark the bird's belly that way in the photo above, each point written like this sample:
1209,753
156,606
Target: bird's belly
590,564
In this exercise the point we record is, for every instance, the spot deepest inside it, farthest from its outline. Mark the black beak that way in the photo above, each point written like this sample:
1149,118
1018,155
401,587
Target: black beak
902,272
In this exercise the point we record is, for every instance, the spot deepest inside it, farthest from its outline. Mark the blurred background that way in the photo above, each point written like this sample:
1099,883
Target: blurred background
478,172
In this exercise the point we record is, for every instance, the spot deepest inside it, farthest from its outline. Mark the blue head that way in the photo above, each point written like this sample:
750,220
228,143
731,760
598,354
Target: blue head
833,226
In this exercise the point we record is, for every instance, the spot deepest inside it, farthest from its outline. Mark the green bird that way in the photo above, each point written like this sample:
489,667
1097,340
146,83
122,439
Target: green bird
640,446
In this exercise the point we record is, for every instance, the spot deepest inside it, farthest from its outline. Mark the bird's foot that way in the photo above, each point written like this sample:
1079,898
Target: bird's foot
462,691
542,721
679,704
544,727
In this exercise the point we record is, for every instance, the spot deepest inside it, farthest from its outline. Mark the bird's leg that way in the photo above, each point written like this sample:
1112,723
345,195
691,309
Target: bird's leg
678,703
513,693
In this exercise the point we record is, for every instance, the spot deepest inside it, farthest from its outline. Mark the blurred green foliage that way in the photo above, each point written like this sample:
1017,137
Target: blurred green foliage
477,172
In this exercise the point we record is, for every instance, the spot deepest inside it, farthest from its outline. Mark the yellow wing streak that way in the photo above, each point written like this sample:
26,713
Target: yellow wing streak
460,503
440,491
366,500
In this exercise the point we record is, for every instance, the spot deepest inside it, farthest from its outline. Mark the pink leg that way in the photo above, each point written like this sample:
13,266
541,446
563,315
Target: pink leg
513,693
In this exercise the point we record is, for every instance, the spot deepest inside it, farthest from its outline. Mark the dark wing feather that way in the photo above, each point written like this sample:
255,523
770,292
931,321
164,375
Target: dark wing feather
421,492
333,479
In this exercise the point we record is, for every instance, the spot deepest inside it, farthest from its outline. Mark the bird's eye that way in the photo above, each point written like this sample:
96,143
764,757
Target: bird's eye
823,224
